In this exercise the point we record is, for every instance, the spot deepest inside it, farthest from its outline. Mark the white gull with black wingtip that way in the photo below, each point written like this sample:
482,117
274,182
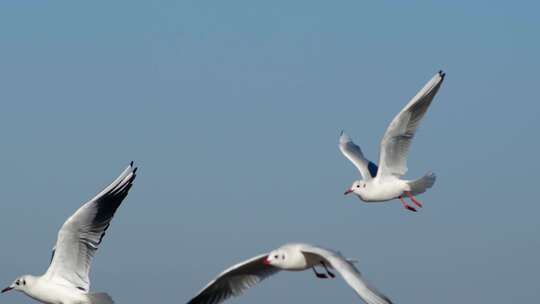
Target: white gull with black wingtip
67,279
292,257
384,183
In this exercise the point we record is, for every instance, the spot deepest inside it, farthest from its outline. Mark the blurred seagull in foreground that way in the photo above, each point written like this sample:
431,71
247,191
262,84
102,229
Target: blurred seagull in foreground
67,281
292,257
383,183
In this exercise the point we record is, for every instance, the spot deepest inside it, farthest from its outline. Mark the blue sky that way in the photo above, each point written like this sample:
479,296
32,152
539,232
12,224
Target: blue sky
232,110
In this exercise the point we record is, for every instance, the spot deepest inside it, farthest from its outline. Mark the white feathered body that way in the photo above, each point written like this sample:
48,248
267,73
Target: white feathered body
296,261
382,189
47,292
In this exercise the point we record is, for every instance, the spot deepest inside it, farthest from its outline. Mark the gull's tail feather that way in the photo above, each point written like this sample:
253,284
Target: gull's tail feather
422,184
100,298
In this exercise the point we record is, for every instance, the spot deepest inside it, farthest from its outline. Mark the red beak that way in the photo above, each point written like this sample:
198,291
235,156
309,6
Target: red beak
348,191
6,289
266,261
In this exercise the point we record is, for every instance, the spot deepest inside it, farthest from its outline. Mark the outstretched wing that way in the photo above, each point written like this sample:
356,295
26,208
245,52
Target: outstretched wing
399,134
350,274
353,152
235,280
81,234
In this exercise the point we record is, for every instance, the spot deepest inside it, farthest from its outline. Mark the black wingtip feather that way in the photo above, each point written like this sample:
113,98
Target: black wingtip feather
442,74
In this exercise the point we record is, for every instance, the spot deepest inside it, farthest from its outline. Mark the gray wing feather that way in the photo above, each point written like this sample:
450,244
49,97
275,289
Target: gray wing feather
234,281
350,274
399,134
81,235
353,153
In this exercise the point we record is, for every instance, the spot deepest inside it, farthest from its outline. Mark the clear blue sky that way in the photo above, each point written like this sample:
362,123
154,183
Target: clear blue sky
232,110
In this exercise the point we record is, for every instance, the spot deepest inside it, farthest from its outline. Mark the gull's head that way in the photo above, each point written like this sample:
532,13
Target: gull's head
20,284
358,188
277,258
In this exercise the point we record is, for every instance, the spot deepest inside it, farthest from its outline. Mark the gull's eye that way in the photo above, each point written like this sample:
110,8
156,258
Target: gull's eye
357,186
276,256
17,283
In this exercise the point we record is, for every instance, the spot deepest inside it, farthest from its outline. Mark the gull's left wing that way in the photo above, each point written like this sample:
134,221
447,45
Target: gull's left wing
346,269
353,153
82,233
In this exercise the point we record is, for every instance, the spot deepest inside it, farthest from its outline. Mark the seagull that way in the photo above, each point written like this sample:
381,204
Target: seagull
292,257
67,281
383,182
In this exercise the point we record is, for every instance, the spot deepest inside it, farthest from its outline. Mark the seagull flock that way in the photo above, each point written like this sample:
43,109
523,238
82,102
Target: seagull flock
67,281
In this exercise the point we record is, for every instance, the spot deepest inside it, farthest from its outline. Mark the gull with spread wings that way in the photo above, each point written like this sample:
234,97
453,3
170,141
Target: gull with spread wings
291,257
383,182
67,279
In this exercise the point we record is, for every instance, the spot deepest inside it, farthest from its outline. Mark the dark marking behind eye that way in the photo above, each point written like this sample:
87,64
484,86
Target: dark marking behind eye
80,288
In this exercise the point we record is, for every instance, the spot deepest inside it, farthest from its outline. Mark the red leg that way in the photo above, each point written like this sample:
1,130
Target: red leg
407,206
413,199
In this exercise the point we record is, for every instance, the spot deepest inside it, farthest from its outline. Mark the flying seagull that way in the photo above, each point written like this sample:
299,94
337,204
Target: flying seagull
292,257
383,182
67,281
